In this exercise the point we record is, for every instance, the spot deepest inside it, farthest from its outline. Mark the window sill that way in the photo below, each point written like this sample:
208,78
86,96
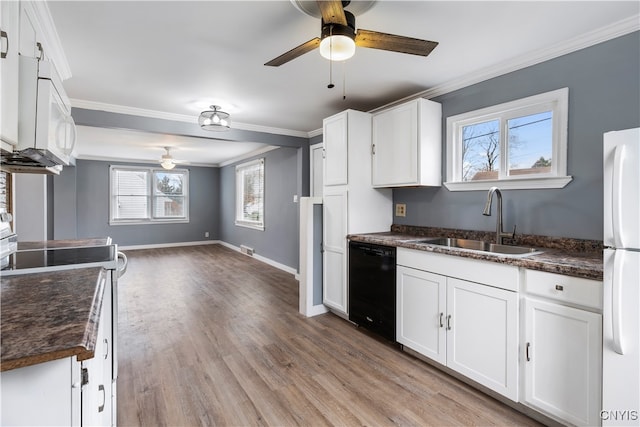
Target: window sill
511,184
253,226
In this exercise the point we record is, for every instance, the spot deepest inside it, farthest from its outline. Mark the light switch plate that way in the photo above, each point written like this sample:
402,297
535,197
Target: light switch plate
401,209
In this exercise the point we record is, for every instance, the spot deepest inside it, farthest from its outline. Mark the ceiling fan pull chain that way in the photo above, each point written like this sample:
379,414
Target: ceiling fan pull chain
344,80
330,85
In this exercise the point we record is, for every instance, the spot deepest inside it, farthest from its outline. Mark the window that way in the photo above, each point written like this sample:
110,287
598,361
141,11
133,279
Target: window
250,194
140,195
516,145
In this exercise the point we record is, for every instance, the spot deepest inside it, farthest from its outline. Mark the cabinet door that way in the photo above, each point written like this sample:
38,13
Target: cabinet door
334,256
336,150
421,317
9,67
563,361
395,146
482,335
96,394
45,394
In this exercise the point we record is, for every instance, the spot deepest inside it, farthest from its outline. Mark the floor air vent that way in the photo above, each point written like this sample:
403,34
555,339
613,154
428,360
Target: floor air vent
246,250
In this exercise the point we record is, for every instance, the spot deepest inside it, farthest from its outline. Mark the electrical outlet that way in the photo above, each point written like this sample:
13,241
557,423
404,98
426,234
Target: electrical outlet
206,234
401,209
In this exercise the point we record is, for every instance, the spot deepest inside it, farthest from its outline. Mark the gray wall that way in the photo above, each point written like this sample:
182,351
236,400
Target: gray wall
280,239
87,184
604,95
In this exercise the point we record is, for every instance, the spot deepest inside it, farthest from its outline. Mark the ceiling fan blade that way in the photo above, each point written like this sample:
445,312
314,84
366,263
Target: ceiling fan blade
384,41
332,12
295,52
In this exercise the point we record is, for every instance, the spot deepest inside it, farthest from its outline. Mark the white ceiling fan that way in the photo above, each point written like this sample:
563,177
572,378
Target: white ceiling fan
167,161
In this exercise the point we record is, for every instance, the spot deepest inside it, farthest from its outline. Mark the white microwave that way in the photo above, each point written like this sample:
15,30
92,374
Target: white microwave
46,130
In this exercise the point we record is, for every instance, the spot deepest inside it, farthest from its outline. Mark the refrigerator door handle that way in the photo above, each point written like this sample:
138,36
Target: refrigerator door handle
616,195
616,302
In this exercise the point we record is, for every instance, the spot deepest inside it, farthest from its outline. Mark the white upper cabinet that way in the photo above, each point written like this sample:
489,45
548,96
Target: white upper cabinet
9,68
336,149
407,145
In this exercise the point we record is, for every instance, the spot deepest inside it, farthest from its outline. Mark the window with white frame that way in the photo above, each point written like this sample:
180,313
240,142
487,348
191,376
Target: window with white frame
250,194
148,195
517,145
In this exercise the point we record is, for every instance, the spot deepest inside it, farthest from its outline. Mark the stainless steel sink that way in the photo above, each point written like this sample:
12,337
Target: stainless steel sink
479,245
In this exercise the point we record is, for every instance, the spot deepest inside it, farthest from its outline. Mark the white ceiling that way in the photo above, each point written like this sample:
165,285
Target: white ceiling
173,59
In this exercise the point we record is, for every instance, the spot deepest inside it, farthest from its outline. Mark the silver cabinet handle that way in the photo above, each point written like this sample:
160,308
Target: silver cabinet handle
448,322
106,346
441,323
4,35
104,398
373,149
527,352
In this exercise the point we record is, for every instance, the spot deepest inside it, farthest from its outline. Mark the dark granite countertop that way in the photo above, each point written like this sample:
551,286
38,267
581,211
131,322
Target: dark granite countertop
570,257
67,243
48,316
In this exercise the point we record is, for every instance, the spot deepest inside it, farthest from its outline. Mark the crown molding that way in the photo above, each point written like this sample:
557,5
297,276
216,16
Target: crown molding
248,155
121,109
615,30
253,153
52,43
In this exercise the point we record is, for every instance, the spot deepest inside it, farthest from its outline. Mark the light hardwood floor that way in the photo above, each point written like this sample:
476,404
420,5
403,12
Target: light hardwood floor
209,336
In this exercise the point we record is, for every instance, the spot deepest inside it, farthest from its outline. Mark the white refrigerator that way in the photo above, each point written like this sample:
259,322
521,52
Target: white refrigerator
621,302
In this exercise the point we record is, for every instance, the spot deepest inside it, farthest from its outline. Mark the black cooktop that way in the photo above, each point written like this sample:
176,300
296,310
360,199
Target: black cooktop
45,258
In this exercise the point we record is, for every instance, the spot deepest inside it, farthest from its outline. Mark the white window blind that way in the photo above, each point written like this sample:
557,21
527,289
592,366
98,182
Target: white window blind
148,195
250,194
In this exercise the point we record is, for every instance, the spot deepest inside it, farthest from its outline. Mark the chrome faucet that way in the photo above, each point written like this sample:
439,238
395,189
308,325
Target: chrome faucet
487,212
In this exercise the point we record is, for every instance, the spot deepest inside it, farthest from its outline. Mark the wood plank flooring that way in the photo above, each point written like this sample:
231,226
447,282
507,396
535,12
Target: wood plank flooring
209,336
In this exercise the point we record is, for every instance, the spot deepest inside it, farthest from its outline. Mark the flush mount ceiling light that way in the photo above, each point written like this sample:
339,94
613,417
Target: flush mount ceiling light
214,119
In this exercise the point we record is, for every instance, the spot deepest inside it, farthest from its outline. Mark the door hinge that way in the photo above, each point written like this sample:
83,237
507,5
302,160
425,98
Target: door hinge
85,376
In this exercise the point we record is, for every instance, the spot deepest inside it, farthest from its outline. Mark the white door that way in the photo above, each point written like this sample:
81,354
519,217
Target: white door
335,150
562,347
316,160
334,256
482,335
421,303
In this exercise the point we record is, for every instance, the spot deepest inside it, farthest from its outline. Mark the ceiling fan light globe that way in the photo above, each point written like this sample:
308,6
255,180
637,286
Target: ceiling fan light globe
337,47
167,164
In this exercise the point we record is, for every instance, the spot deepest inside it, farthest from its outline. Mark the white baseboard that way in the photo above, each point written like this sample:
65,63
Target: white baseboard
168,245
271,262
316,310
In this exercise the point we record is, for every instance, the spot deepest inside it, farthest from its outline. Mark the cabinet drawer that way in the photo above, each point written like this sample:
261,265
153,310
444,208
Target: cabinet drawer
484,272
572,290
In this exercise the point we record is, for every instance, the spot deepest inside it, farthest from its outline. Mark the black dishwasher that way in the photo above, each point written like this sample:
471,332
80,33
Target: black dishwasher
372,288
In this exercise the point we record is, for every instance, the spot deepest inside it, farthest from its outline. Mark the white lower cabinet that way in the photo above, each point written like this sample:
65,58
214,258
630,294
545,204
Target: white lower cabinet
334,265
563,361
469,327
64,391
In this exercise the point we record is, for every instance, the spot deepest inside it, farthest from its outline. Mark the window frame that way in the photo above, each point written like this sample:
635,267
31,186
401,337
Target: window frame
151,196
240,221
556,101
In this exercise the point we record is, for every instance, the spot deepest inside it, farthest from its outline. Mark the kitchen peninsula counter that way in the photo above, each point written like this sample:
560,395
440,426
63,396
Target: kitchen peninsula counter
569,257
48,316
